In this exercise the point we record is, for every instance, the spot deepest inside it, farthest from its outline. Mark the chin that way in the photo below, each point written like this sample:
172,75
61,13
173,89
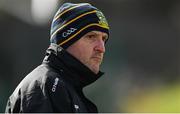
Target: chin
96,70
94,67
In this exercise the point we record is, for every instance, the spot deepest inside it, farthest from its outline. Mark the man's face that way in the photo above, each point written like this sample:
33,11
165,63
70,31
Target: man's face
90,49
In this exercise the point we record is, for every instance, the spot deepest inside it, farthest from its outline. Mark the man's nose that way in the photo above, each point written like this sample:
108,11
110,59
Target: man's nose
100,46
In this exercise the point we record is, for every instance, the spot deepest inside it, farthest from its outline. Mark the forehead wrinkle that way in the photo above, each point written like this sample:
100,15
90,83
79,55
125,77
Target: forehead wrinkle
99,33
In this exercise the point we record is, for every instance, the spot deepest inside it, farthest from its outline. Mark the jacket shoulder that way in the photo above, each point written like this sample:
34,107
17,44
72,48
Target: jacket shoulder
42,90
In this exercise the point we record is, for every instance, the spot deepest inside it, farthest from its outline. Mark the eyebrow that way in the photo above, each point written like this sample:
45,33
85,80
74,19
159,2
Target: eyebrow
96,33
93,32
105,35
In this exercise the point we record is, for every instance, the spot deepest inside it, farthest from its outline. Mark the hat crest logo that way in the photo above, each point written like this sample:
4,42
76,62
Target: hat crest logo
102,19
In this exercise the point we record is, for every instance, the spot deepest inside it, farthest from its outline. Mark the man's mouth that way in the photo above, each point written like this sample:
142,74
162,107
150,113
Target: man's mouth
99,59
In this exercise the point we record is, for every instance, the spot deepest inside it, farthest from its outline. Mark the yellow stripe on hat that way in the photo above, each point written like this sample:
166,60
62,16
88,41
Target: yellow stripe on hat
94,24
68,10
94,11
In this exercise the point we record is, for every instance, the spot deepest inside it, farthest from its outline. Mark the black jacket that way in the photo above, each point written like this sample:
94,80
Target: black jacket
54,86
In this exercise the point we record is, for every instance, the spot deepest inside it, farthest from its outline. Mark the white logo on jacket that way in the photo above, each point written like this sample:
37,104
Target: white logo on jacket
76,107
55,84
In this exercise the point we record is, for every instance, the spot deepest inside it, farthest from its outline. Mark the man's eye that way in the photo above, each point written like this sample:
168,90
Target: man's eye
104,38
91,36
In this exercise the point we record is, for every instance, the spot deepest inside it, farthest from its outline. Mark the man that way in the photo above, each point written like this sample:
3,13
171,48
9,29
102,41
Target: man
72,61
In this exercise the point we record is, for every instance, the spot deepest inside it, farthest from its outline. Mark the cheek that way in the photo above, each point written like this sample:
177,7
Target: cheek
85,54
82,51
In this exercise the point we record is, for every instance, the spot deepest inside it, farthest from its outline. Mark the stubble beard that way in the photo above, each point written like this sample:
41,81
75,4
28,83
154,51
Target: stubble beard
94,64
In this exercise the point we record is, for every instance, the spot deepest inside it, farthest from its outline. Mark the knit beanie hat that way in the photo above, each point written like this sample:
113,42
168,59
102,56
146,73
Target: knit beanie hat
72,21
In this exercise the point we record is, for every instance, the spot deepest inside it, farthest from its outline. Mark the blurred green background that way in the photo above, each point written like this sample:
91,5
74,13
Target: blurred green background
141,60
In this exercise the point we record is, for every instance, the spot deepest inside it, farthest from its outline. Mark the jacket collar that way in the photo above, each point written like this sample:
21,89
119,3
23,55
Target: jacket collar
77,73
